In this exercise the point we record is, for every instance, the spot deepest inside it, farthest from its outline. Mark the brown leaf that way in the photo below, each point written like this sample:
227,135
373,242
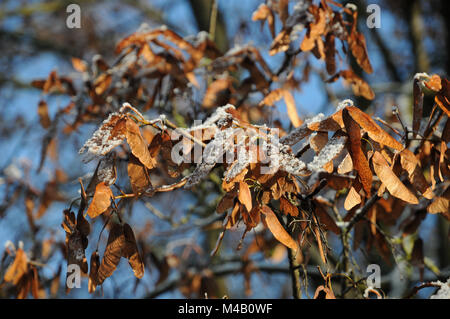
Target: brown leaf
411,164
352,199
217,93
245,196
291,109
323,292
18,268
441,204
137,144
315,30
418,107
277,229
113,253
272,97
330,52
138,174
264,13
101,200
287,207
357,44
79,65
281,42
131,252
346,165
375,132
359,86
226,202
325,219
354,147
44,118
102,83
93,272
395,187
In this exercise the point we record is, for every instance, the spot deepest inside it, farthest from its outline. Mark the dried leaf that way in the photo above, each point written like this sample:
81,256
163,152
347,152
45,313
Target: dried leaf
113,253
375,132
18,268
418,107
323,292
44,118
277,229
101,200
137,144
93,272
358,158
395,187
352,199
138,174
291,109
131,252
245,196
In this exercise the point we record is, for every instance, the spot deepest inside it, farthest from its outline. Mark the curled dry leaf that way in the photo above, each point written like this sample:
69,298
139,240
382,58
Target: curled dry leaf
395,187
418,107
346,165
375,132
358,158
137,144
441,204
18,268
316,29
277,229
217,93
291,109
245,196
44,118
352,199
411,164
323,292
131,252
287,207
77,231
138,174
113,252
357,44
264,13
121,243
359,86
93,272
101,201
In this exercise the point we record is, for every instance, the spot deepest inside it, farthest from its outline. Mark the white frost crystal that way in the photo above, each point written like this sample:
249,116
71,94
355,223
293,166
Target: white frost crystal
444,290
332,149
102,142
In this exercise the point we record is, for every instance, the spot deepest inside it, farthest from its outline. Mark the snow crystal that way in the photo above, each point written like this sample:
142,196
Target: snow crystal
244,158
444,290
106,172
351,6
300,15
102,141
332,149
319,117
344,103
302,131
220,117
212,154
421,76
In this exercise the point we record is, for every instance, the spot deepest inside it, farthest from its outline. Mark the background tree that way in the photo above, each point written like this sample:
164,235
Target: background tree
306,58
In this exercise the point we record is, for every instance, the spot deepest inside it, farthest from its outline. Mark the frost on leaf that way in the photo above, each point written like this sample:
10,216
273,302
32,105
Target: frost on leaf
332,149
444,290
212,154
105,138
107,171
